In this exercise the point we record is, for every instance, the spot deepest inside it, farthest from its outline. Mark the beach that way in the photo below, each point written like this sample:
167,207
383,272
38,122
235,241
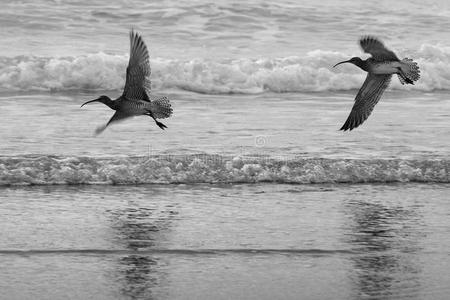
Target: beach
257,241
252,192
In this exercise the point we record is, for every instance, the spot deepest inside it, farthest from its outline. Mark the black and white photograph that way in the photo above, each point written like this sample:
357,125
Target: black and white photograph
260,150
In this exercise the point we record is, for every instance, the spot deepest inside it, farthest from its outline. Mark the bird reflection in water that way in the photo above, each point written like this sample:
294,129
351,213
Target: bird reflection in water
387,242
142,226
141,274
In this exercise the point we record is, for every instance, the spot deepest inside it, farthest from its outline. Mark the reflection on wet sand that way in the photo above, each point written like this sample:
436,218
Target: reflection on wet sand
140,274
386,239
142,225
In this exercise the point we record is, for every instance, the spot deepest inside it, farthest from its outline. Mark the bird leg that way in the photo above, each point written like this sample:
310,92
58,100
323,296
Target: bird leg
160,125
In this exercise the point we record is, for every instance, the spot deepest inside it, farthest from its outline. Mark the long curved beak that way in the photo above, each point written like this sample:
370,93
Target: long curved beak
342,62
98,99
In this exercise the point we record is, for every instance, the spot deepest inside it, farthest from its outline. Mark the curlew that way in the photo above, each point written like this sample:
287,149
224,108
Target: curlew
380,68
136,99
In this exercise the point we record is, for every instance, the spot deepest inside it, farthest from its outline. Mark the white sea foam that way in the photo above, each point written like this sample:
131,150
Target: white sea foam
310,73
189,169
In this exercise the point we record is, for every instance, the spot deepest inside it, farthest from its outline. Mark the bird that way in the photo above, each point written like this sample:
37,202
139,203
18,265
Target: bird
136,98
380,67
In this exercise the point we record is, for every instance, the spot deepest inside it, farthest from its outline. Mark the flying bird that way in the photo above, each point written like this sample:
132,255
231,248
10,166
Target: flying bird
380,68
136,99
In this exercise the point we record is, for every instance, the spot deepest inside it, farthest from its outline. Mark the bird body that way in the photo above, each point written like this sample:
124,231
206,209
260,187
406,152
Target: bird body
133,107
384,68
137,99
380,68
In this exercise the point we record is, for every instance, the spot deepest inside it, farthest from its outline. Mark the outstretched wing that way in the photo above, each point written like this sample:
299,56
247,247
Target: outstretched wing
115,118
366,99
376,48
137,84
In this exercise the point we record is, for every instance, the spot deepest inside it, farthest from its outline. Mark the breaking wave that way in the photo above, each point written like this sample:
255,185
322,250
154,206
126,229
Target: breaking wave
310,73
205,168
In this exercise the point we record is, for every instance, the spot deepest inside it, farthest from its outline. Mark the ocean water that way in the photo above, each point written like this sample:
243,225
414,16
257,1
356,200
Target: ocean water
252,192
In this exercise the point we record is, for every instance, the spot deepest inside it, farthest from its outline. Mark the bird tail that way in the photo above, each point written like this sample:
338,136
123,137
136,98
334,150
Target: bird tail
409,71
161,108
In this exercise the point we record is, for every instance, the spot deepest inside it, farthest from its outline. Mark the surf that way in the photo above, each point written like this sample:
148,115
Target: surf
209,168
309,73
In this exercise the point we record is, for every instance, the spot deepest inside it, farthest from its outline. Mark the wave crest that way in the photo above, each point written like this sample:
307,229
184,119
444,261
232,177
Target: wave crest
205,168
310,73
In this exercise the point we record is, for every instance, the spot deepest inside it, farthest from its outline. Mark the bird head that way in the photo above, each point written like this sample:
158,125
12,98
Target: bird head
354,60
103,99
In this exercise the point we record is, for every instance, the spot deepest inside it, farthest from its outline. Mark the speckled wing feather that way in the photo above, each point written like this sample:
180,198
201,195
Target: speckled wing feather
160,107
366,99
376,48
137,84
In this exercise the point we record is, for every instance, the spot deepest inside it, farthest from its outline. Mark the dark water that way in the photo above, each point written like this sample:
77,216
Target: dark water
225,242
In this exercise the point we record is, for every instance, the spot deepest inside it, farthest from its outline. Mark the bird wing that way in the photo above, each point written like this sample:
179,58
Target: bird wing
376,48
366,99
137,84
118,116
